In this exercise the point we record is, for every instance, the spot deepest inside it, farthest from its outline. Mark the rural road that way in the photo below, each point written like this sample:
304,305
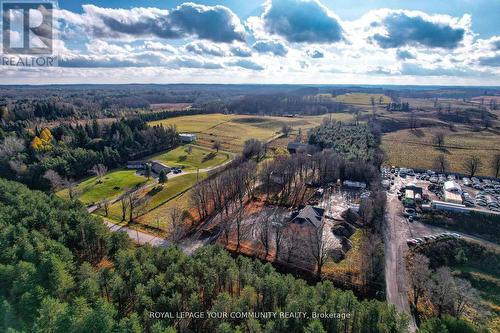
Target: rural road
397,231
137,236
395,235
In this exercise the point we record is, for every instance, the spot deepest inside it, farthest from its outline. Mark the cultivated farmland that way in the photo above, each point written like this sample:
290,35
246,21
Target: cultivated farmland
362,98
233,130
415,148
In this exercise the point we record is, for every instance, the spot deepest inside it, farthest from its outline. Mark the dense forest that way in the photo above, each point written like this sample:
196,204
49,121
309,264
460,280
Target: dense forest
61,270
71,151
284,104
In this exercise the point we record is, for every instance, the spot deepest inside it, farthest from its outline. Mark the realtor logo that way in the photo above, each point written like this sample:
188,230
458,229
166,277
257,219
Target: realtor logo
27,27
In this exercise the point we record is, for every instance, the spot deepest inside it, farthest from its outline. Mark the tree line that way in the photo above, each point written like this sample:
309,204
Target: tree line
72,151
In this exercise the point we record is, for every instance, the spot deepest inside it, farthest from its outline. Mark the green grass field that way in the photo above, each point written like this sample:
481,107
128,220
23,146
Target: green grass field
199,157
414,148
112,185
233,130
154,197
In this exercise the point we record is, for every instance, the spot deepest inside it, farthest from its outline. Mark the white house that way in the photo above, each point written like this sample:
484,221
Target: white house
187,137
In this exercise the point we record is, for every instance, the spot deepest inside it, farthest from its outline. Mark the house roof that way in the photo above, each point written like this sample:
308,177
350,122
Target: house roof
310,214
157,167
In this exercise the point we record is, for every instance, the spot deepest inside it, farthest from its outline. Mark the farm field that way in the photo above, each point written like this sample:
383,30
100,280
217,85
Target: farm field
199,157
170,106
113,184
153,197
415,149
233,130
362,98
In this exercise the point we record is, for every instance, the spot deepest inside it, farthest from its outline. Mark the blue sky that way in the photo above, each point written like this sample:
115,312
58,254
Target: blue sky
454,42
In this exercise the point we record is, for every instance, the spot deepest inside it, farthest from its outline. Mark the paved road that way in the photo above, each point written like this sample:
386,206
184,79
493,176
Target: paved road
137,236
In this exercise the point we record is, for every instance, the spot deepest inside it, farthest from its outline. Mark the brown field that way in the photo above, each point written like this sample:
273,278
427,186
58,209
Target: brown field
415,149
170,106
233,130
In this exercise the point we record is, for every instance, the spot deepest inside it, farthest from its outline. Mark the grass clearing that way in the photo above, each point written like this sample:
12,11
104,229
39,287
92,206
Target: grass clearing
233,130
159,217
414,148
199,157
154,197
113,184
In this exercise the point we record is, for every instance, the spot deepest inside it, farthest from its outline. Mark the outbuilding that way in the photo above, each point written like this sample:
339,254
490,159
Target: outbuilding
187,137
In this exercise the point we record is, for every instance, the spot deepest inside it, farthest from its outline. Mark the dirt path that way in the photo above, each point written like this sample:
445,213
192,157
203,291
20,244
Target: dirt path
395,235
397,231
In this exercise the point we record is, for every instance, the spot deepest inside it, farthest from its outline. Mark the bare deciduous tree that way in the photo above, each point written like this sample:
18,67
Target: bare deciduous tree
495,165
105,206
472,165
419,276
439,139
413,121
73,191
99,170
177,229
286,130
216,146
134,204
55,180
319,245
264,234
441,164
440,290
279,235
290,244
11,146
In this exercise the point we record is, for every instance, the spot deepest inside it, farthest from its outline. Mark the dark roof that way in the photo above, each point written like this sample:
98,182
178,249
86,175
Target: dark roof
157,167
296,145
310,214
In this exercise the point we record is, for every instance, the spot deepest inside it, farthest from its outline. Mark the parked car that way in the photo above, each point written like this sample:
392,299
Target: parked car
411,242
409,212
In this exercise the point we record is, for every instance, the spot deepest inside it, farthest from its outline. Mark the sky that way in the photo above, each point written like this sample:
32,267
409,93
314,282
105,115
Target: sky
422,42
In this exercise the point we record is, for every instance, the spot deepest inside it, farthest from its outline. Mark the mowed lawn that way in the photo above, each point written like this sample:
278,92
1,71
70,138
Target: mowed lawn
415,149
155,196
233,130
198,158
111,185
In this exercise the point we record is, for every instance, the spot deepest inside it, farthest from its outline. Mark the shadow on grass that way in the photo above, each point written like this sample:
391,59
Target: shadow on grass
155,190
209,157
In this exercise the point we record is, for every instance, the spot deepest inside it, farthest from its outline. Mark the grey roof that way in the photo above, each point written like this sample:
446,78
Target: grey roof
296,145
310,214
157,167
